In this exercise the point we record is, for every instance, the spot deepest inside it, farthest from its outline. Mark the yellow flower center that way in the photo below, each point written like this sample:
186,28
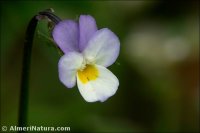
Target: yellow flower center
90,72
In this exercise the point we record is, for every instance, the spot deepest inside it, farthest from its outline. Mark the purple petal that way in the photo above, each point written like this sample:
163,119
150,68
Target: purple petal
103,48
65,34
87,27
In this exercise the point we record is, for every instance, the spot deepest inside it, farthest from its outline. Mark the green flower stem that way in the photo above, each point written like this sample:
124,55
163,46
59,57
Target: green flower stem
24,92
23,109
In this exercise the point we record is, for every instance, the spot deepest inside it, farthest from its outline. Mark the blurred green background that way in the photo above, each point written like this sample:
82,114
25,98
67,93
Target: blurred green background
158,67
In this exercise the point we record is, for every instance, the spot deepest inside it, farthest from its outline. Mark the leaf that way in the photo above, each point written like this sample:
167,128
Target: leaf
50,42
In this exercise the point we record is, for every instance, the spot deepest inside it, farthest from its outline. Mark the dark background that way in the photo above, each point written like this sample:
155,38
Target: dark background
158,67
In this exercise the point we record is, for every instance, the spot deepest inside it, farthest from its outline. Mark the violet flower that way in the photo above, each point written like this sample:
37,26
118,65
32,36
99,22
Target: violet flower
87,53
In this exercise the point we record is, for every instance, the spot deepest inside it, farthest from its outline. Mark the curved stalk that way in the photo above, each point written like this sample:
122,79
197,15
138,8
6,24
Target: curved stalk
24,92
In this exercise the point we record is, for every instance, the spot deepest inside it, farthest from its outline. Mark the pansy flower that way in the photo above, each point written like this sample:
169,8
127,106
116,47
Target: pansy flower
87,53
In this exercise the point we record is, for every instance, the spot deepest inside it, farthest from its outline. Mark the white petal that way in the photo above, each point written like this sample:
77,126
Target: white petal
67,66
103,48
100,89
